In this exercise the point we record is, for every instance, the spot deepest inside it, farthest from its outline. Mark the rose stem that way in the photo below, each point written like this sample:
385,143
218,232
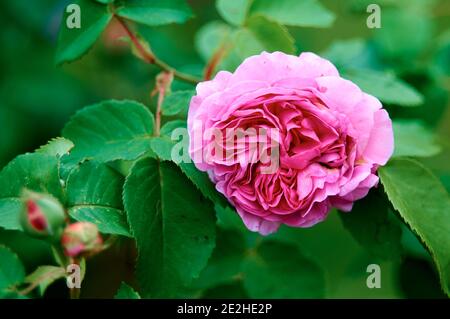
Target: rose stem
152,59
74,292
214,61
163,81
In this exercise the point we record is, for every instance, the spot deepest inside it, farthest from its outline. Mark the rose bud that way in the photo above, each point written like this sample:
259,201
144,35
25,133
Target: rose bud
81,239
42,216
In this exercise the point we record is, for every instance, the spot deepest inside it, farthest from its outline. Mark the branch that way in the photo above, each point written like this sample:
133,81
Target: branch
163,82
214,61
152,59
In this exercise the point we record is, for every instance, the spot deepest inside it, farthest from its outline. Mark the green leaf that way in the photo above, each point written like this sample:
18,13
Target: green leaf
276,270
441,58
94,193
374,227
109,131
348,53
155,12
59,147
95,183
412,245
162,146
177,102
126,292
228,218
262,34
74,43
10,209
305,13
424,204
37,172
210,37
385,86
44,276
167,128
108,220
12,271
412,138
173,225
122,167
226,260
404,34
203,183
233,12
56,147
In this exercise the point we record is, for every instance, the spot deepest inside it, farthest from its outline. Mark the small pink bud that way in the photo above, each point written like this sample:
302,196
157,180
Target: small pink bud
42,216
81,239
36,217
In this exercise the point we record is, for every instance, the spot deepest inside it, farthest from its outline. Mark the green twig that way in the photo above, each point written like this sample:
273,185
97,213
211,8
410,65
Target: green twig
152,59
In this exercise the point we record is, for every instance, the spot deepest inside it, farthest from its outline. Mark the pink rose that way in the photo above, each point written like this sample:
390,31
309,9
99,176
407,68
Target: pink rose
331,139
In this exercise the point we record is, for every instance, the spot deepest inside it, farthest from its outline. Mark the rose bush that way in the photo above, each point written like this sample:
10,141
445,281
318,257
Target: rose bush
332,138
114,206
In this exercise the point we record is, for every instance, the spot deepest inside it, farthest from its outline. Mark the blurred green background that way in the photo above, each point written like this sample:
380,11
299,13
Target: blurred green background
37,99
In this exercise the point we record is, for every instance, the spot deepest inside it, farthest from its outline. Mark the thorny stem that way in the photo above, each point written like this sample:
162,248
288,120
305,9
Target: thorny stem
158,112
152,59
163,82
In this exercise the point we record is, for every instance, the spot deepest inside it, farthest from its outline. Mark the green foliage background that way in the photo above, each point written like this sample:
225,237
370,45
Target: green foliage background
406,64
